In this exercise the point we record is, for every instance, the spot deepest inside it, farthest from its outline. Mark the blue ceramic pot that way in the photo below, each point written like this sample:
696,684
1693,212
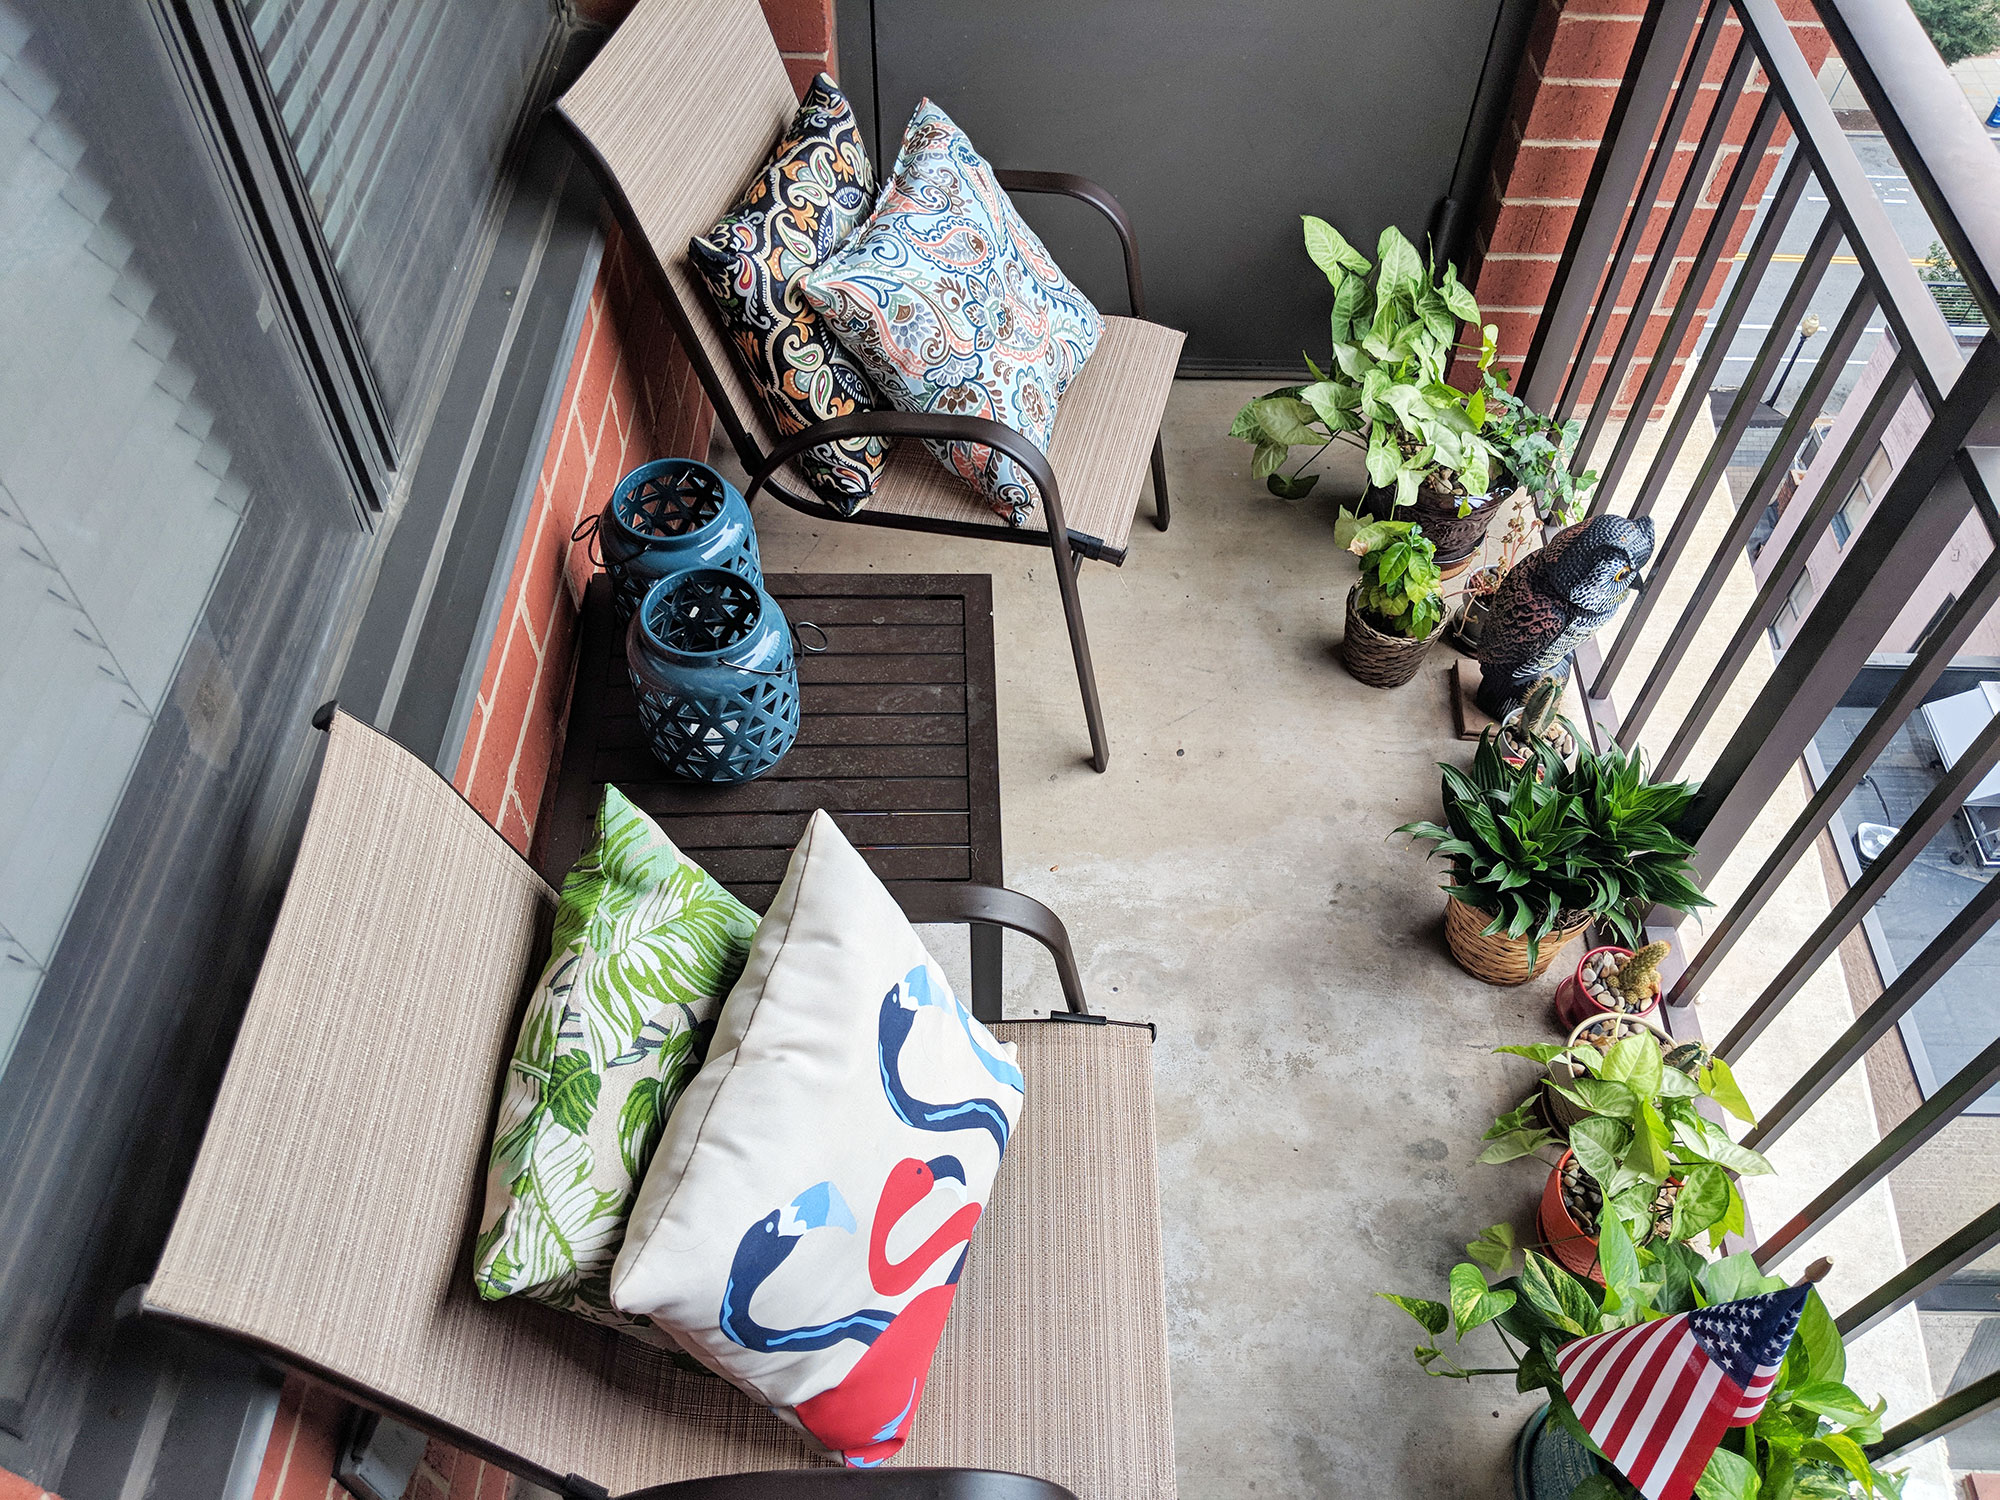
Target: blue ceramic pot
668,516
1548,1462
712,665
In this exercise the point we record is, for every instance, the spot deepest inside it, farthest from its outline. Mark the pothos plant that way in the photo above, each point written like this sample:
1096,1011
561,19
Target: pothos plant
1642,1129
1811,1437
1399,579
1536,450
1394,327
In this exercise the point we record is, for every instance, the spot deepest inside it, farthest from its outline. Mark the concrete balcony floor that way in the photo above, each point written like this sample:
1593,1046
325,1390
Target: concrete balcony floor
1323,1069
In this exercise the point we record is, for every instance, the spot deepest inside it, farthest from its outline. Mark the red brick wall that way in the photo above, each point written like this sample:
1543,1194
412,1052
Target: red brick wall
631,396
1575,60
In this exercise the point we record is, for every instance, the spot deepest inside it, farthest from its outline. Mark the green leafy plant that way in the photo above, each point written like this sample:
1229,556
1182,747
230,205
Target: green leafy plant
1637,861
1400,582
1541,843
1394,326
1960,28
1536,450
1811,1437
1641,1131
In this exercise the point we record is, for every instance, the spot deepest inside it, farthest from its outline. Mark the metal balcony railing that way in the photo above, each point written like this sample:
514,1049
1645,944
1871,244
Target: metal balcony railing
1954,173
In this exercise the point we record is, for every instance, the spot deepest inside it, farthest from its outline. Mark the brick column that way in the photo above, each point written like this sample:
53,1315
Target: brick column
1569,78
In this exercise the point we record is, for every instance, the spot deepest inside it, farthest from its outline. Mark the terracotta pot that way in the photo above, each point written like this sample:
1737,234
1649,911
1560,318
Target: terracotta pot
1456,537
1562,1237
1496,958
1378,658
1575,1004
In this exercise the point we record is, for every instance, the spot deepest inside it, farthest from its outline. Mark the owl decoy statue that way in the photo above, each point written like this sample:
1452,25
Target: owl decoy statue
1554,600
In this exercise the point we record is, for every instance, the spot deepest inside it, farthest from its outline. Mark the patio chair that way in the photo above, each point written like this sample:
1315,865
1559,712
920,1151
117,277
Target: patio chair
677,113
330,1217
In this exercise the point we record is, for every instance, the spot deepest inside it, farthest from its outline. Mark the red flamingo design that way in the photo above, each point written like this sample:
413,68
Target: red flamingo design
866,1417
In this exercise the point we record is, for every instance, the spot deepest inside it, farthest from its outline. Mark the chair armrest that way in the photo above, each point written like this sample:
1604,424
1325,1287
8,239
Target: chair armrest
1069,185
959,901
937,427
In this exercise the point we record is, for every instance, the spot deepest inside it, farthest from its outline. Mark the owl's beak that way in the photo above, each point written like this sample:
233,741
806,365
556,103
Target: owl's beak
1638,584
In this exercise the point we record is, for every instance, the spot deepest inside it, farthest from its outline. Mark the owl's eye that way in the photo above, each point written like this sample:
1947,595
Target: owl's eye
1621,575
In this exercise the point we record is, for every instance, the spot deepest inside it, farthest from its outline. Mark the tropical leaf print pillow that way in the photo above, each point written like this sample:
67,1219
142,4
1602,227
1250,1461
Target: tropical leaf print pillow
646,946
813,192
953,304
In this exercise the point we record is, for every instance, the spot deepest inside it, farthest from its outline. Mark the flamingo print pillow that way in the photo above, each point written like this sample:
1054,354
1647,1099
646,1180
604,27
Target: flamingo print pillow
953,304
805,1221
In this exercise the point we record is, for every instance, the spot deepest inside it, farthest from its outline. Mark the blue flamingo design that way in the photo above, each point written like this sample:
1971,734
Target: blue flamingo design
763,1248
918,983
892,1032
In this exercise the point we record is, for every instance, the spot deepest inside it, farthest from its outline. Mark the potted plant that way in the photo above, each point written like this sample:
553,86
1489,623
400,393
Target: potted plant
1611,981
1809,1439
1395,324
1602,1032
1395,612
1639,1161
1536,450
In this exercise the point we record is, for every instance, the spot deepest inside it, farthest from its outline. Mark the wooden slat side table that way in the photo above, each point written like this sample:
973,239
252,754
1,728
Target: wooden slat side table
897,741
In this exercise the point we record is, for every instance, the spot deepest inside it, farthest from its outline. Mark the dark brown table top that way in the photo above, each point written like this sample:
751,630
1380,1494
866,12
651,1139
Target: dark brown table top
897,740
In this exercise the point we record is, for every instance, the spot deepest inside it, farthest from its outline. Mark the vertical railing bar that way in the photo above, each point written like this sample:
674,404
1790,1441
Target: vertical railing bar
1664,31
1812,400
1910,528
1889,1153
1923,825
1666,144
1749,274
1938,1419
1835,486
1920,327
1939,647
1971,923
1667,557
1688,306
1693,186
1936,1264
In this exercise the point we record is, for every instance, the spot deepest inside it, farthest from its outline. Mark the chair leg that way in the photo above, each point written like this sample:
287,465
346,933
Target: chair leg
1079,644
1160,513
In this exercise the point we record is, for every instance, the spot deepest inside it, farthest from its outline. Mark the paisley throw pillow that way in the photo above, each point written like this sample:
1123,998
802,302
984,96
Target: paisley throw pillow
810,196
954,305
807,1216
645,947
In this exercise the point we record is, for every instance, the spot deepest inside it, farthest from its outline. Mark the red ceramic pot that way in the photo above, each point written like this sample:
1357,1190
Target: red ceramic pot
1566,1241
1575,1004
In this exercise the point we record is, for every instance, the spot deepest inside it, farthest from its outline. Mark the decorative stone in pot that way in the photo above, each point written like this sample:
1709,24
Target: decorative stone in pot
1495,957
1607,982
1566,1221
712,665
1456,537
665,517
1378,658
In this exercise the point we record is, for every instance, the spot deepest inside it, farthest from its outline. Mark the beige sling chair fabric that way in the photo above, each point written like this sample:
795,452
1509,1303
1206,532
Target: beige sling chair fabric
330,1217
681,108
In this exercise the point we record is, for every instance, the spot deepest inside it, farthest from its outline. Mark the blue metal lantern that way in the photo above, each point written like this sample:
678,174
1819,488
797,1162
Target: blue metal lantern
713,668
668,516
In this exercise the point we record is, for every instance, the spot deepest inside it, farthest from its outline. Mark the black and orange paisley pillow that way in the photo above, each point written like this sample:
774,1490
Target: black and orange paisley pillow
812,194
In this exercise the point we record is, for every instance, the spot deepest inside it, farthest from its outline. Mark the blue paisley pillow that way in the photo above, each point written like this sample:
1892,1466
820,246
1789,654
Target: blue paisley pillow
813,192
954,305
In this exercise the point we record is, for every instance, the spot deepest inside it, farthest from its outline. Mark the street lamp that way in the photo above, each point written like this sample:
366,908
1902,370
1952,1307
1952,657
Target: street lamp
1809,327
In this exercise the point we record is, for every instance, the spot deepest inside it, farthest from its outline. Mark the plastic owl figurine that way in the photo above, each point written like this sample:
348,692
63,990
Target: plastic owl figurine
1554,600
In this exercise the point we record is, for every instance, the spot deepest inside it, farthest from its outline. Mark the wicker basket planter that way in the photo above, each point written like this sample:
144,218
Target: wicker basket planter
1496,958
1379,659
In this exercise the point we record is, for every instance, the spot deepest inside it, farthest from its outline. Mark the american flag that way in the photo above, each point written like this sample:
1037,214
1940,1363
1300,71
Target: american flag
1658,1397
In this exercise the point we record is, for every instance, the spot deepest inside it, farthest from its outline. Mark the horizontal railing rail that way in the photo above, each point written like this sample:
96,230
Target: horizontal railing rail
1691,620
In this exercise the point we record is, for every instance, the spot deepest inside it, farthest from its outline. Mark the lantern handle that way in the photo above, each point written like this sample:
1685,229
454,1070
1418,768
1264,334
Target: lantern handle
795,628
